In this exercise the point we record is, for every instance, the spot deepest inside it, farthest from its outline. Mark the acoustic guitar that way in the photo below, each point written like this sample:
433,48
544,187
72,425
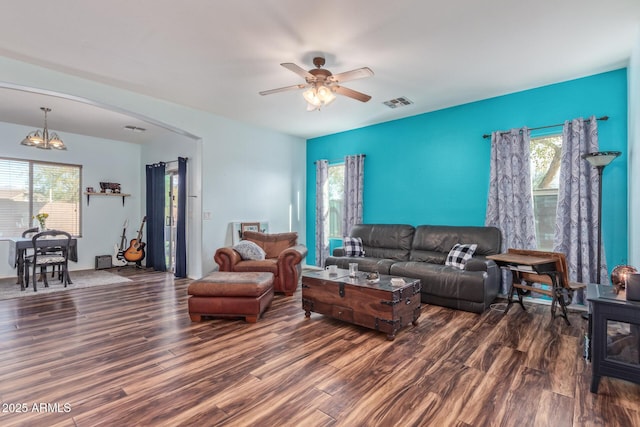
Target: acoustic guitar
135,251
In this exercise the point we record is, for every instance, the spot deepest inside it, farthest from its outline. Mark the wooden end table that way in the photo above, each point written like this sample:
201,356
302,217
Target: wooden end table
614,327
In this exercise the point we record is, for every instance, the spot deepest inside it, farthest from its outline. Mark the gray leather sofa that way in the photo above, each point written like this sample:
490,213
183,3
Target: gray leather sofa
420,252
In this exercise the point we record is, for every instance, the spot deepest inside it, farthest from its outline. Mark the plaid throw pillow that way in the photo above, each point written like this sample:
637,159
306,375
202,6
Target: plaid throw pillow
460,254
353,246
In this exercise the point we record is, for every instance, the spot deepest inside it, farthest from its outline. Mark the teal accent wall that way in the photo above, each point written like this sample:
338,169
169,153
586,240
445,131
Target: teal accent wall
433,168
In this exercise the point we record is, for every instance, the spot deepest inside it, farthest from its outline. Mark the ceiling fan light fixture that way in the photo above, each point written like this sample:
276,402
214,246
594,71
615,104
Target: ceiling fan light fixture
318,96
311,96
322,85
326,95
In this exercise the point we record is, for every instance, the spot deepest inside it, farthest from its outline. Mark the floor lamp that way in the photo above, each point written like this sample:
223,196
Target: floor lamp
599,160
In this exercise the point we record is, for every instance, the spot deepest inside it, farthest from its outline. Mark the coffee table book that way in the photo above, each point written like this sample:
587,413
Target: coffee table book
380,305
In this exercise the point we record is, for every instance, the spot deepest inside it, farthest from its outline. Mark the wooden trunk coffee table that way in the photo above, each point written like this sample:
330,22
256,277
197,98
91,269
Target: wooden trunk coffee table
382,306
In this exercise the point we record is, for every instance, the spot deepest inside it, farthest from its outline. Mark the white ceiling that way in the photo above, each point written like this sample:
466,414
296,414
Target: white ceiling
216,56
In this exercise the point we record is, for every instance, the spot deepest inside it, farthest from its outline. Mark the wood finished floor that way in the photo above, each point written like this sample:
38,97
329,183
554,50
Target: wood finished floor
125,355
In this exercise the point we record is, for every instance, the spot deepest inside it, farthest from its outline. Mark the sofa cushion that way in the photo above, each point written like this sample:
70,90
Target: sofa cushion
390,241
460,254
249,250
432,243
445,281
352,246
269,265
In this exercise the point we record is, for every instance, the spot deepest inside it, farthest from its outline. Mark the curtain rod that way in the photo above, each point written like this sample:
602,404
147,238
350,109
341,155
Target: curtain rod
338,160
603,118
174,161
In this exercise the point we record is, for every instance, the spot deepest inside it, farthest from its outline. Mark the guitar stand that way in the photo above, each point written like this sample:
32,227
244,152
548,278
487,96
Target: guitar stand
137,265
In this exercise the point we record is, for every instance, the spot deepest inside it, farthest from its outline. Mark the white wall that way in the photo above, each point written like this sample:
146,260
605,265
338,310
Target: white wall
634,154
245,172
262,172
101,160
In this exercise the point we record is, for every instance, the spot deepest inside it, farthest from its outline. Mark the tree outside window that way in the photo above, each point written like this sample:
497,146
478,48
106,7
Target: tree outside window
28,188
545,175
336,200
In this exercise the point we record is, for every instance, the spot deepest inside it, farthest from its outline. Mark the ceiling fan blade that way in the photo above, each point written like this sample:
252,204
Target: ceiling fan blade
299,71
360,73
283,89
351,93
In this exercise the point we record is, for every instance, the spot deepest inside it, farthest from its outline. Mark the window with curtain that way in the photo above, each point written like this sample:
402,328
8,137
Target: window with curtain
336,200
29,187
545,174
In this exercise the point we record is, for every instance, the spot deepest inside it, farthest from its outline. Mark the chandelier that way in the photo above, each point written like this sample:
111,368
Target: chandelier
43,139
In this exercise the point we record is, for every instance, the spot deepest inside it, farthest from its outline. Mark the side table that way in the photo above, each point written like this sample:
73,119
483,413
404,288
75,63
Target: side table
615,335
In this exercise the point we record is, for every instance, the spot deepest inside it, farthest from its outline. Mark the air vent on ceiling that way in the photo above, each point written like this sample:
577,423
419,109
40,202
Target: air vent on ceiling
398,102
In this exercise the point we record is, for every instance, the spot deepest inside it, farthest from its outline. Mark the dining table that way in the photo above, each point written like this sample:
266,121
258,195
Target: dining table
18,246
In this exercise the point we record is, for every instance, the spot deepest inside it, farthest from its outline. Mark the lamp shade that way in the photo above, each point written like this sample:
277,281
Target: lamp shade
56,142
600,158
27,141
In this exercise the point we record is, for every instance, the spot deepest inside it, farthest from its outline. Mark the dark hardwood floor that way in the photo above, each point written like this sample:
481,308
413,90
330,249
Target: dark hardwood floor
125,355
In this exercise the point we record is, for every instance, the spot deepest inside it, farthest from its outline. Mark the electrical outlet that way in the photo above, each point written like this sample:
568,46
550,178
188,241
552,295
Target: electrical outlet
206,216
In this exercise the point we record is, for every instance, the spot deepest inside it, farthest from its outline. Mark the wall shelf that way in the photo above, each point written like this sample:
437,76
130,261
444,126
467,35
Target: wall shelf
123,195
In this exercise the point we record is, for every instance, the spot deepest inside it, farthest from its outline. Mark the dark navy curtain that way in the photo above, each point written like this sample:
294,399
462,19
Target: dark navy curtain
181,240
155,216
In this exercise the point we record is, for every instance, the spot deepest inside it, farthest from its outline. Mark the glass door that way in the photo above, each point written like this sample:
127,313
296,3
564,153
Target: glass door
171,219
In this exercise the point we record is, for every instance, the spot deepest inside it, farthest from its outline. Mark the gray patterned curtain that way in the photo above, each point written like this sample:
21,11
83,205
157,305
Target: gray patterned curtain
322,211
576,233
353,192
510,201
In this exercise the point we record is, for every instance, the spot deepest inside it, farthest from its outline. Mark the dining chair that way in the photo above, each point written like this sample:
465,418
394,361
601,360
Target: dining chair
29,233
28,253
48,255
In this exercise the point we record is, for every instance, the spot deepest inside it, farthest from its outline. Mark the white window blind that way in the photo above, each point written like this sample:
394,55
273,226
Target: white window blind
29,187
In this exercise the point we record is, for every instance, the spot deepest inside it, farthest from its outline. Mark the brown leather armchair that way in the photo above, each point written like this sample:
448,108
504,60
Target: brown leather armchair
283,258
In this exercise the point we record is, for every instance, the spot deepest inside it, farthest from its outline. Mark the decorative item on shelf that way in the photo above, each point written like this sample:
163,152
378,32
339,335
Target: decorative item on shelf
620,275
90,190
44,140
42,218
110,187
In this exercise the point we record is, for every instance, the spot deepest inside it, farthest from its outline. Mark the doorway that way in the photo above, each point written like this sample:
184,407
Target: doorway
171,218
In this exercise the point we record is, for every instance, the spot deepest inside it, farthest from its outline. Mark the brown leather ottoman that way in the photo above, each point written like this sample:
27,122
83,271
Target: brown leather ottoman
228,294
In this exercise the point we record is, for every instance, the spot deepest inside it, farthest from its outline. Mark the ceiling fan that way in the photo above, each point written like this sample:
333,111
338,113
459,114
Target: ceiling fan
323,85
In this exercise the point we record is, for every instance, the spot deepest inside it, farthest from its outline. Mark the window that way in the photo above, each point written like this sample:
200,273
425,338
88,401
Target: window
336,200
545,175
29,187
